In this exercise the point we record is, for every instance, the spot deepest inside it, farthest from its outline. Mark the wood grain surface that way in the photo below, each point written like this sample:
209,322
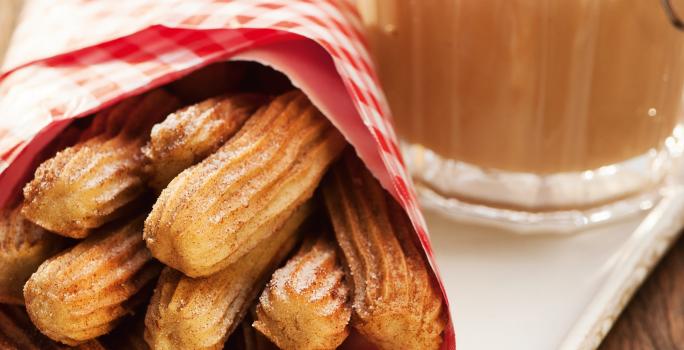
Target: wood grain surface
654,319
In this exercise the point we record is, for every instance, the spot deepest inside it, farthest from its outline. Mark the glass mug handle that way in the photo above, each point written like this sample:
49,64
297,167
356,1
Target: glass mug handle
672,15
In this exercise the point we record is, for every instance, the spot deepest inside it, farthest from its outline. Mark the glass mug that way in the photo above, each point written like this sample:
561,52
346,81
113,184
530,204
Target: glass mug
534,114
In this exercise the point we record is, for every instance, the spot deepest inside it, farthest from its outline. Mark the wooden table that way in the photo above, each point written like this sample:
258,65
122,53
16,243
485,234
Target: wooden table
654,319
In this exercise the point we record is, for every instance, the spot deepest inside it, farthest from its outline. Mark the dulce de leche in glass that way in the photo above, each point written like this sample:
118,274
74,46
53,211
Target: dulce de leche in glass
539,115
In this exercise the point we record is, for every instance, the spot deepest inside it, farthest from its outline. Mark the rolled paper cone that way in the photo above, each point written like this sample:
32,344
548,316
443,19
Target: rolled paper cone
71,58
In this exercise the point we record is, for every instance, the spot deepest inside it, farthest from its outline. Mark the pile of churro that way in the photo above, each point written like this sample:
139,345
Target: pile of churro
214,212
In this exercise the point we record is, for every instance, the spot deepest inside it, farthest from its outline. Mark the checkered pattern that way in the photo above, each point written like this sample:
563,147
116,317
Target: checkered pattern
69,58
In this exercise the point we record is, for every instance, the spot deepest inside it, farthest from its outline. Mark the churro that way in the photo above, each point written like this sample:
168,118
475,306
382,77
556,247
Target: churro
217,211
395,303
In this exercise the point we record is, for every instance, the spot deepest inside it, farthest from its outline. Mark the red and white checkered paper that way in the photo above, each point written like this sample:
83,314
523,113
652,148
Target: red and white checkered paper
69,58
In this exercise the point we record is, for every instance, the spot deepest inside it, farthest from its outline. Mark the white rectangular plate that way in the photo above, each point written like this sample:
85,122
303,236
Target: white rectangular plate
512,291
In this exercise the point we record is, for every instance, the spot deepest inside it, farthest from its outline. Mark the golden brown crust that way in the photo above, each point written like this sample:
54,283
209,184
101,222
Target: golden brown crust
305,305
215,212
200,313
83,292
23,247
395,304
18,333
189,135
87,185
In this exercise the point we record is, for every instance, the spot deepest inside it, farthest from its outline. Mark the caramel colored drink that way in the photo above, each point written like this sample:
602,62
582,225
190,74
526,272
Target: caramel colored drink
541,90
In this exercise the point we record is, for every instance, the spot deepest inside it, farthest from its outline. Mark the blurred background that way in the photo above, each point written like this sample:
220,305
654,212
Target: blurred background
8,17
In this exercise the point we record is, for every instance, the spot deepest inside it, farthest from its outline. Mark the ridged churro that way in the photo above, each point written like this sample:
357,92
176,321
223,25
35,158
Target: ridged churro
217,211
394,301
86,185
306,305
189,135
18,333
200,313
23,247
82,293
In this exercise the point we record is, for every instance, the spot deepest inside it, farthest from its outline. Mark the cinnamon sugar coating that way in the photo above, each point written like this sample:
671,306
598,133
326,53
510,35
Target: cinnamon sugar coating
192,133
217,211
23,247
87,185
200,313
306,304
395,303
83,292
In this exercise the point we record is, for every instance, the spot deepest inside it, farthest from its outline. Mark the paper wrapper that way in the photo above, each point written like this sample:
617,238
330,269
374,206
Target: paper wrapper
70,58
